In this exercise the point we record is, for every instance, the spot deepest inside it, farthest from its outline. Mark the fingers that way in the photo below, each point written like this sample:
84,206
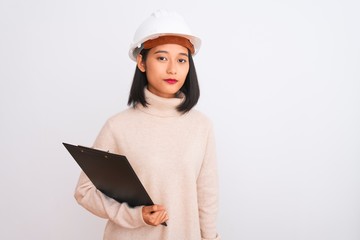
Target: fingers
154,215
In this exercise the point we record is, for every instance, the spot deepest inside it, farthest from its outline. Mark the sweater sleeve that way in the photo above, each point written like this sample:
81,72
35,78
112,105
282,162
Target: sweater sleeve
88,196
207,190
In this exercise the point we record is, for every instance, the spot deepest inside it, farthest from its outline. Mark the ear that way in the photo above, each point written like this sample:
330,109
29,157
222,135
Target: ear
140,63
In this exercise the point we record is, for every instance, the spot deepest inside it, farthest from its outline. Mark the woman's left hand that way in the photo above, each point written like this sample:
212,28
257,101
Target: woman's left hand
154,215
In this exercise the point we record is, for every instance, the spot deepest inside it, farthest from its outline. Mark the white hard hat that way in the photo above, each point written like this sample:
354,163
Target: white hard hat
162,23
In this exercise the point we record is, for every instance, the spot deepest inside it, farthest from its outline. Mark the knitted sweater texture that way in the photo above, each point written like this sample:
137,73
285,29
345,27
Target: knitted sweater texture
174,156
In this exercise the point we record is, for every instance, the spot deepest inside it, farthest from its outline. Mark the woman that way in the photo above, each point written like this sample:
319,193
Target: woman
169,144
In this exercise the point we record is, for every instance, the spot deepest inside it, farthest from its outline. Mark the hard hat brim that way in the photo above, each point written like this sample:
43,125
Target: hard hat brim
136,48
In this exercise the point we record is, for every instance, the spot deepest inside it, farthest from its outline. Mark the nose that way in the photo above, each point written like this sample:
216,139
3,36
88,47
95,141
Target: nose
171,67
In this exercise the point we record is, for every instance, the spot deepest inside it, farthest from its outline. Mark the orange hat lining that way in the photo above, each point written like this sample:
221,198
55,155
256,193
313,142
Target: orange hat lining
169,39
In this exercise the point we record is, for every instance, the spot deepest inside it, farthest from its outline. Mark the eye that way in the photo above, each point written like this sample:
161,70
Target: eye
182,60
162,58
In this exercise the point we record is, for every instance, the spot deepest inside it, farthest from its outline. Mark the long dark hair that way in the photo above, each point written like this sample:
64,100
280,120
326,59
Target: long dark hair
190,88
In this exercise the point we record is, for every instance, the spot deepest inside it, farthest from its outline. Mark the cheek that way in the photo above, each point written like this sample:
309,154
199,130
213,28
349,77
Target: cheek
149,70
153,68
185,72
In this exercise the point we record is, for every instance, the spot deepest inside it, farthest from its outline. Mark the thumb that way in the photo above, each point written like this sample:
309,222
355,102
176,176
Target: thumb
157,207
152,208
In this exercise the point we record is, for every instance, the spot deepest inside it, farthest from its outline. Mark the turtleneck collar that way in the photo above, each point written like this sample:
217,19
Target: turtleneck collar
159,106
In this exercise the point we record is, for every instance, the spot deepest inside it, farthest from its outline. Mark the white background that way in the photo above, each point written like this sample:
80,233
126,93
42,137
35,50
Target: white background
279,79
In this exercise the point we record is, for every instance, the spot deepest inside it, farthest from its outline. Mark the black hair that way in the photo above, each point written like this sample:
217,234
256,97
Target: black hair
190,89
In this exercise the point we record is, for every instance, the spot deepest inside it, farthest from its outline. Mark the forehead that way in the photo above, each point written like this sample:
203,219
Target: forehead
170,48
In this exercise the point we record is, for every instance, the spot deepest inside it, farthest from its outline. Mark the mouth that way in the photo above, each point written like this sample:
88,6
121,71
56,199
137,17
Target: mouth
171,81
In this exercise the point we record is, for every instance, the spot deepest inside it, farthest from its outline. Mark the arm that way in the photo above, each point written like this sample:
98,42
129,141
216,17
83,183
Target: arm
102,206
207,191
99,204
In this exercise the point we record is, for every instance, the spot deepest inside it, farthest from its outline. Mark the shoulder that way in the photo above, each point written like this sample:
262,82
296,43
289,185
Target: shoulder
122,114
121,117
200,118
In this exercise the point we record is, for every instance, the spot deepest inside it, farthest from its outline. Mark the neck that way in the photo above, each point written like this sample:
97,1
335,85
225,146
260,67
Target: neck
159,106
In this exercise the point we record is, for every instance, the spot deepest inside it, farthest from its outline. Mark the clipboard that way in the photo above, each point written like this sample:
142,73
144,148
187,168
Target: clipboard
112,174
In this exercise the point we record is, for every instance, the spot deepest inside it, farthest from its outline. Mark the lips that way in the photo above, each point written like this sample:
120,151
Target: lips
170,81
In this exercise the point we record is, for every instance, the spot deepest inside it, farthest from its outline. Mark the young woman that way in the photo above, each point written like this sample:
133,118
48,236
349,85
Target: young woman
169,144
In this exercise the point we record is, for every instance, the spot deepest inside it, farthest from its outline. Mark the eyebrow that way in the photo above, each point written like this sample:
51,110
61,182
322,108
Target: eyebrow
163,51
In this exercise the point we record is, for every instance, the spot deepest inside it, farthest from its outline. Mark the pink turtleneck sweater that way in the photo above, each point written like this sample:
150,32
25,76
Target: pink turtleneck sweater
174,156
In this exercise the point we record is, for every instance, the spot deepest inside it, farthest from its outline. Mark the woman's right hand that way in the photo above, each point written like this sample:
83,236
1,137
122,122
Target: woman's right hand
154,215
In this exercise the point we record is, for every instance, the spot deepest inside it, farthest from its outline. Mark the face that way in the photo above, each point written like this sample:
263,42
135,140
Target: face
166,68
